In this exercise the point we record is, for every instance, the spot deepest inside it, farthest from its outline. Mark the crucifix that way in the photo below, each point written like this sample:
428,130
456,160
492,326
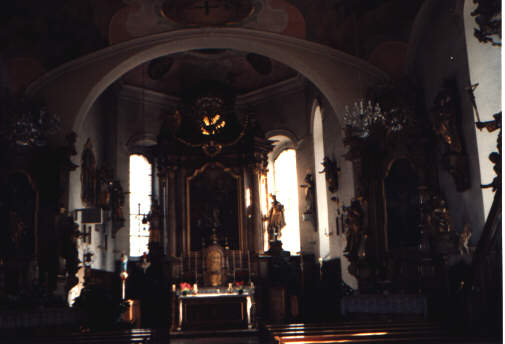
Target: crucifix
207,7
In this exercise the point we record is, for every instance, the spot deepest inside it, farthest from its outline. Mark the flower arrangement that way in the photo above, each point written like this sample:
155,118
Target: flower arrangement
185,288
240,286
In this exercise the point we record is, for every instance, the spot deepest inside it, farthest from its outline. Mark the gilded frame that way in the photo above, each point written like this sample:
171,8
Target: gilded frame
240,205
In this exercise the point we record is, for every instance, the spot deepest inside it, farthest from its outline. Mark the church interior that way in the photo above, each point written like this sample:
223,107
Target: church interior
250,171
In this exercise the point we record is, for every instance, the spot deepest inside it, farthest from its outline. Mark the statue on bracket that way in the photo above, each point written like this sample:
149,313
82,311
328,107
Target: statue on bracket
446,123
355,229
275,220
331,171
117,202
356,235
88,175
310,213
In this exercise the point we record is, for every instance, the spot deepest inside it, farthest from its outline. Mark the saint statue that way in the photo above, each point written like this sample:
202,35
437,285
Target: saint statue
154,218
355,234
88,175
275,219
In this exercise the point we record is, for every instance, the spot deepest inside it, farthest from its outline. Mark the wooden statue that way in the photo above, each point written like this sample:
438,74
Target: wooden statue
355,231
154,218
275,219
331,172
88,175
463,239
310,199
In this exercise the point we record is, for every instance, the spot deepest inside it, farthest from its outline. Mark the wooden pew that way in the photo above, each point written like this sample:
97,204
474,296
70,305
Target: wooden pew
357,332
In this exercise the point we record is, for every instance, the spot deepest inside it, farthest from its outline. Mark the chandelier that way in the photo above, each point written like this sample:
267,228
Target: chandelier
364,115
210,113
26,123
361,116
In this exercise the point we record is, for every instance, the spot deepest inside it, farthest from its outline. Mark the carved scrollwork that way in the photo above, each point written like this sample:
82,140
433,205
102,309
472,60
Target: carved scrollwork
331,171
488,18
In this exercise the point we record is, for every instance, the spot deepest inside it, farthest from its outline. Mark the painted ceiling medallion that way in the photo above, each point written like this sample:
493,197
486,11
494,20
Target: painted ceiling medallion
207,12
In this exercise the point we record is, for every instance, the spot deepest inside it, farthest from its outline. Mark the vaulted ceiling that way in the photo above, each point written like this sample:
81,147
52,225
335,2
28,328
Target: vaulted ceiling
243,72
39,36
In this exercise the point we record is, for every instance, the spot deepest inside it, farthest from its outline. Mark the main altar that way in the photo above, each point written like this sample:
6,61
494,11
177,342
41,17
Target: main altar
214,308
211,160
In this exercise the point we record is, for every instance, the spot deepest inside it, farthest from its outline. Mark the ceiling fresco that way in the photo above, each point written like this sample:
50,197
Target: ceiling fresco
175,73
53,32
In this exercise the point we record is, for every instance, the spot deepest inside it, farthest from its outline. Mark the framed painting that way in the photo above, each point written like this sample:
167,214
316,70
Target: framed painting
214,200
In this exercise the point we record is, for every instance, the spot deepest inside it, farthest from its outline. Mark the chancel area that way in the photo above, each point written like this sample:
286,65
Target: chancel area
274,171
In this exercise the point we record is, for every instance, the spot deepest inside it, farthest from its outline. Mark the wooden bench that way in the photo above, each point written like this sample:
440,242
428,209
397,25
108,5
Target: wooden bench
357,332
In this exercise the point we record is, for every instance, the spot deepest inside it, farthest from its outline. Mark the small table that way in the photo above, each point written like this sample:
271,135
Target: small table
215,309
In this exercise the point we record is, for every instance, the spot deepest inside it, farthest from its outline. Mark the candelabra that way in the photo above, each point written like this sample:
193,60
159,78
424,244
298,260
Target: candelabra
363,115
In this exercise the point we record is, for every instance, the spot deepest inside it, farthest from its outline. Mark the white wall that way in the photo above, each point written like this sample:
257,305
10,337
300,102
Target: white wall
441,54
94,128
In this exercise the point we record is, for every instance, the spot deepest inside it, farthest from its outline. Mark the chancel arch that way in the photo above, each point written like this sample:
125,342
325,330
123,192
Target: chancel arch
332,71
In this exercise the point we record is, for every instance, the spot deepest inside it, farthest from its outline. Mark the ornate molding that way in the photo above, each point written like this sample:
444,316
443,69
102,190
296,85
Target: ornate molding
285,87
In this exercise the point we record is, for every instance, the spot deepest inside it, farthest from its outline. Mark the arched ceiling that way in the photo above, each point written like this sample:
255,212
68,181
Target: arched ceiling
241,71
53,32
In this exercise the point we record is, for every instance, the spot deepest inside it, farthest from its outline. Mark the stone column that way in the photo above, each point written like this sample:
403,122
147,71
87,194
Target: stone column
256,220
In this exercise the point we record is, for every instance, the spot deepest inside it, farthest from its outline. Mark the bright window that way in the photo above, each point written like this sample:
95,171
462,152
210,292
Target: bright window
140,203
283,183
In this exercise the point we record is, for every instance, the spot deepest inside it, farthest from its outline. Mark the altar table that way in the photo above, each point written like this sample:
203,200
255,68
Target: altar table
214,309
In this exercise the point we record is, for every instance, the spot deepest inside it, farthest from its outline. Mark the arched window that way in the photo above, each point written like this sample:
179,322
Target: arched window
322,196
140,203
286,185
283,183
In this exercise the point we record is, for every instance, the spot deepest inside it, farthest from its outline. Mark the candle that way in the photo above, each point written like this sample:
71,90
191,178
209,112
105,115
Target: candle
195,288
240,259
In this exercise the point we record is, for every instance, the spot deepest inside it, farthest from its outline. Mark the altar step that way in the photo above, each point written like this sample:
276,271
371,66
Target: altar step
362,332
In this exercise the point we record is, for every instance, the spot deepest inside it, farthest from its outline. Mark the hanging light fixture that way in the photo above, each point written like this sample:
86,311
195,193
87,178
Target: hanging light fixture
361,116
364,114
27,123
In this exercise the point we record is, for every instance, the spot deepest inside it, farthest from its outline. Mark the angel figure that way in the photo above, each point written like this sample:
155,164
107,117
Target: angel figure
463,239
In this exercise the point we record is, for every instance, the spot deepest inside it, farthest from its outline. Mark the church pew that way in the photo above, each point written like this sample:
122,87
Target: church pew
110,337
357,332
